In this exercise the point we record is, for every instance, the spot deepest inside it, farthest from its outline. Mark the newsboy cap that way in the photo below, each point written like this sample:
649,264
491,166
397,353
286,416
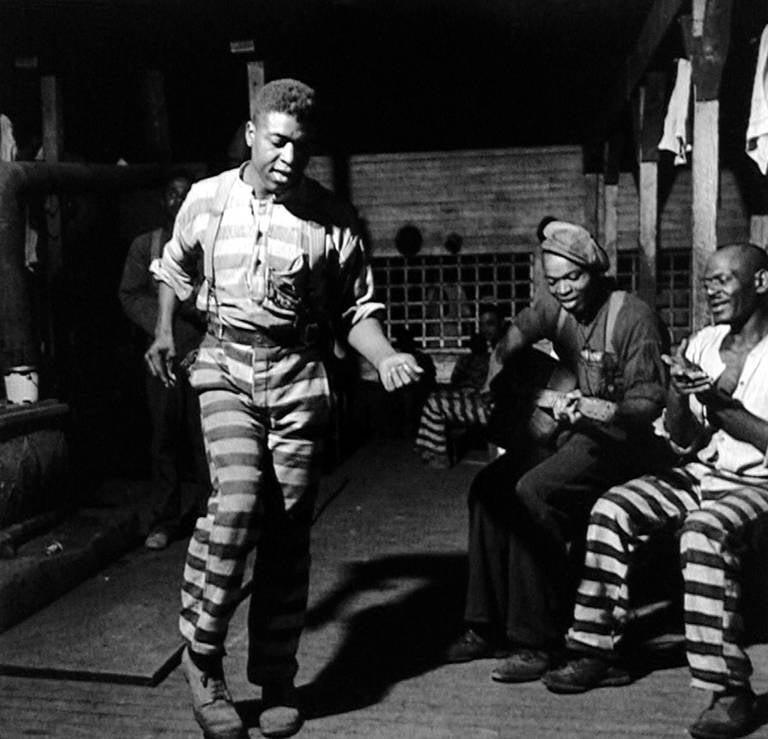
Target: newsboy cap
574,243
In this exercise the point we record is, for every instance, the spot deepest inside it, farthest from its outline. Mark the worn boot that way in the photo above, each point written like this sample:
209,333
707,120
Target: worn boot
280,715
211,702
730,714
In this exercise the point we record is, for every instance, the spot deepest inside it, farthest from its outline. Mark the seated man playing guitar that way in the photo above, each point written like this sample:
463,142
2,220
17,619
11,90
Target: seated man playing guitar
531,505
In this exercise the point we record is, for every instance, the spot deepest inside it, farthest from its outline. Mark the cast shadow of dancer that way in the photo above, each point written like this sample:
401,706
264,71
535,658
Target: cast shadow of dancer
404,636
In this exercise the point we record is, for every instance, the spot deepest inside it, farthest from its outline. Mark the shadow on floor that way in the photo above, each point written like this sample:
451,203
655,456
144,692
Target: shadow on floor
387,642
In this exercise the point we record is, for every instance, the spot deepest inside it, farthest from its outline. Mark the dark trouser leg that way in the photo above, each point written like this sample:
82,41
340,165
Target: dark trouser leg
280,590
164,410
489,539
550,511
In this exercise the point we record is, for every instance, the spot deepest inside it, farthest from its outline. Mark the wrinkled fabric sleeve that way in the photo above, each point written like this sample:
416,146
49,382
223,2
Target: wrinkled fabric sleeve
644,375
356,298
136,292
538,321
176,266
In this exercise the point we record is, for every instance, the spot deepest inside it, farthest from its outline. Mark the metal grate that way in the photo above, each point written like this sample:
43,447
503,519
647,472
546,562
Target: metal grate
438,297
673,287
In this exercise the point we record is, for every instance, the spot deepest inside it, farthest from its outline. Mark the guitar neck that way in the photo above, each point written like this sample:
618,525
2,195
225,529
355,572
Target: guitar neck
595,409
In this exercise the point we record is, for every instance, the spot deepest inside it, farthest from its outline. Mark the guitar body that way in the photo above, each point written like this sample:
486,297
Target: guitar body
517,417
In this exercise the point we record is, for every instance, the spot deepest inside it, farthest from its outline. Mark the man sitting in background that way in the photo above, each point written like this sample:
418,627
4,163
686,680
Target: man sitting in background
461,403
531,504
717,417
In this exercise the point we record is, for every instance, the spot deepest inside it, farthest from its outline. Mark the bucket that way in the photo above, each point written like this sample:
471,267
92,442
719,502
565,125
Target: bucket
21,384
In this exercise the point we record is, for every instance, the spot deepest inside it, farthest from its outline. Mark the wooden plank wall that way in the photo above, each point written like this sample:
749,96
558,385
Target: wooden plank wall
495,198
675,213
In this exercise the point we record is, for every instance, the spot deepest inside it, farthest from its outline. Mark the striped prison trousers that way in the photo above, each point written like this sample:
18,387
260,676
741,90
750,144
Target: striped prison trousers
443,407
263,411
714,513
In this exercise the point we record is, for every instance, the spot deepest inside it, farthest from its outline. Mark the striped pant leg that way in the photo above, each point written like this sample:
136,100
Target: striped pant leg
711,565
621,520
299,403
234,436
443,407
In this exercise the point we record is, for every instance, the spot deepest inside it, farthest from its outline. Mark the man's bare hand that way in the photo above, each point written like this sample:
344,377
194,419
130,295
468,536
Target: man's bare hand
686,377
566,408
159,358
398,370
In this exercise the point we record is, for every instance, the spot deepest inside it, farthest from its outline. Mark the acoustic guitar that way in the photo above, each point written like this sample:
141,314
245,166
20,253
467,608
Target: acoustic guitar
526,390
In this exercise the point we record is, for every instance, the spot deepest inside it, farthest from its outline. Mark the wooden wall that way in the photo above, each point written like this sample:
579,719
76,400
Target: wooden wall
495,198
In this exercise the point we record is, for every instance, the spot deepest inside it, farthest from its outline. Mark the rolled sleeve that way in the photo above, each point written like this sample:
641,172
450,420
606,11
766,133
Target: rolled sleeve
357,289
175,267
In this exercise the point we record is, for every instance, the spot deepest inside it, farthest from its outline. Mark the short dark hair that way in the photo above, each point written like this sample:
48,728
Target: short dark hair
490,308
755,256
288,96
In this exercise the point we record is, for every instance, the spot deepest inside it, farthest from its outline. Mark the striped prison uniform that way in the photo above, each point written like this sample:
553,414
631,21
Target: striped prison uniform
463,406
715,499
264,408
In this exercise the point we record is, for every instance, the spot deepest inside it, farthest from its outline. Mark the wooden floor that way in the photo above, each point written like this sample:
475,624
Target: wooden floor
387,590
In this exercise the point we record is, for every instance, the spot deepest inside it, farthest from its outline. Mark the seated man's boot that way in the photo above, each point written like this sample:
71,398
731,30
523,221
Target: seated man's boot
211,702
730,714
522,665
280,714
582,673
471,645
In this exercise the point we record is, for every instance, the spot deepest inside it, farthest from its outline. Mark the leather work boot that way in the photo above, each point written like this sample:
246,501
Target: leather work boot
280,715
585,673
211,702
729,714
522,666
470,645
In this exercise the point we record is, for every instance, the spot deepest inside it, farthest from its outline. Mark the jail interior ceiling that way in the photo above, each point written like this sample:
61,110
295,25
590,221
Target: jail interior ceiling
406,75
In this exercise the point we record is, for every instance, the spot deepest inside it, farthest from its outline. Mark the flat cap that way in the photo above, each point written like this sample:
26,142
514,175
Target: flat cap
574,243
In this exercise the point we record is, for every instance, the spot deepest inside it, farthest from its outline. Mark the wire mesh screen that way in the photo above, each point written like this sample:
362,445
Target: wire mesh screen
437,298
673,287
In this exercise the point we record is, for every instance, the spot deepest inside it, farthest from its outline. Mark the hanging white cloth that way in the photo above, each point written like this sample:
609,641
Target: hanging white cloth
675,136
7,140
757,129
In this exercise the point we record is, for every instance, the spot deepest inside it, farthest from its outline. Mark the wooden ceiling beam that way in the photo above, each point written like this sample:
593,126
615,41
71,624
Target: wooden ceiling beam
657,23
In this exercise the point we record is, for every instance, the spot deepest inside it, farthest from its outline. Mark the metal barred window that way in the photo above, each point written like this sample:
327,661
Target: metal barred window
673,287
438,297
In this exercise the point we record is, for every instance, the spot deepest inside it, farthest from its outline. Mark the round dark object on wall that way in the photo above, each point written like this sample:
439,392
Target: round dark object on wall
408,240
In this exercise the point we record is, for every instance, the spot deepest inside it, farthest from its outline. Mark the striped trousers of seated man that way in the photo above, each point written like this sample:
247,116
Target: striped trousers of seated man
443,407
264,411
714,512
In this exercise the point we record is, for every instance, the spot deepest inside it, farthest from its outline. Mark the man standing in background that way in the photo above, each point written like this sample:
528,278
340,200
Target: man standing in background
174,411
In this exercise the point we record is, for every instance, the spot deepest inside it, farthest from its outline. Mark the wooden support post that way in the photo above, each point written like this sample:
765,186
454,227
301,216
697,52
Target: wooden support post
255,83
592,187
710,38
650,123
53,127
758,230
610,219
156,129
53,145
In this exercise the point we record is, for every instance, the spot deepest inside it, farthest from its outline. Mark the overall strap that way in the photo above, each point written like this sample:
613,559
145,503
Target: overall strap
562,315
615,303
223,188
156,244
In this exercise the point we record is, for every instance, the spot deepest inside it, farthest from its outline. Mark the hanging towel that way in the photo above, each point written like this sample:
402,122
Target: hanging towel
675,136
7,140
757,130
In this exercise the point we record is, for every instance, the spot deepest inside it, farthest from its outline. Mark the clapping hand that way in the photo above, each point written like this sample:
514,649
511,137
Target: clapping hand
686,377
